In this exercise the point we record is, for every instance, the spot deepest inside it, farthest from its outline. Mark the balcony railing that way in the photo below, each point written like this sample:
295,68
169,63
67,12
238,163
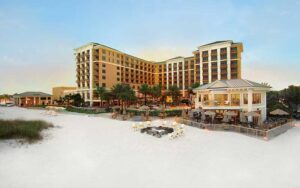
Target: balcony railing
220,103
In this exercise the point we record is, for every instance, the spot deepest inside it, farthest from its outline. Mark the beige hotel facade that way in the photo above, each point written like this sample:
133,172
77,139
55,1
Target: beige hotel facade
100,65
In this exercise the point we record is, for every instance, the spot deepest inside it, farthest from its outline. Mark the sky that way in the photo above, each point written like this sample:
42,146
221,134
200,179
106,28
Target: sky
37,37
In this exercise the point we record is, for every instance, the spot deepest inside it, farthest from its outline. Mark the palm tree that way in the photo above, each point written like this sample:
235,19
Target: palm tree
156,91
116,91
124,93
174,92
101,92
144,89
107,96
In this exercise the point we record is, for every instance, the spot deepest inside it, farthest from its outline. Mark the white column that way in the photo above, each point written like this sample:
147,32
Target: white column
201,68
91,77
213,98
228,64
219,63
250,101
209,66
197,104
264,104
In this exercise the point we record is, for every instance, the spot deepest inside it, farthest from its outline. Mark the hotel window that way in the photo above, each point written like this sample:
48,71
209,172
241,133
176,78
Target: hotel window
235,99
221,99
103,77
245,97
103,51
205,97
256,98
103,71
103,65
103,58
103,85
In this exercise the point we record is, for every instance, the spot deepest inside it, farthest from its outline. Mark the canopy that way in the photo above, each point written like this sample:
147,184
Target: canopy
279,112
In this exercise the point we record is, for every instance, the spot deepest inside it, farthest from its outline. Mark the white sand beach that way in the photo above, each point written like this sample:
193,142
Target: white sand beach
93,152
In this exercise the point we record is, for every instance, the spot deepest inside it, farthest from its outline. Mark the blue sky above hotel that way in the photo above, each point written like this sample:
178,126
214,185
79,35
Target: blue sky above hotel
37,37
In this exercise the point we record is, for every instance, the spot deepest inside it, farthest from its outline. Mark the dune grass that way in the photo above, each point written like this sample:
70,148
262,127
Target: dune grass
23,129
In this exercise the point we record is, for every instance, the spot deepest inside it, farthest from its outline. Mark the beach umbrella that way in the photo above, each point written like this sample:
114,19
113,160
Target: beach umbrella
279,112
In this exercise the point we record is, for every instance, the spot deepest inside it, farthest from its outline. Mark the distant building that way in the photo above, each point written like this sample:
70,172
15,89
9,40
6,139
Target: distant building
238,95
60,92
28,99
100,65
6,99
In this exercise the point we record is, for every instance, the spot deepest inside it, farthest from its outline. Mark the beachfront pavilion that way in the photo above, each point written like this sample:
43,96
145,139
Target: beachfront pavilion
244,99
28,99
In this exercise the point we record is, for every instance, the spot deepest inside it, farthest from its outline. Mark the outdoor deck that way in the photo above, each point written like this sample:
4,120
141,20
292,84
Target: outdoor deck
257,133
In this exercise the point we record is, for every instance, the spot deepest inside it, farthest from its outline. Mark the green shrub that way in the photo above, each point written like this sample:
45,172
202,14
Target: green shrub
174,112
169,113
29,130
86,110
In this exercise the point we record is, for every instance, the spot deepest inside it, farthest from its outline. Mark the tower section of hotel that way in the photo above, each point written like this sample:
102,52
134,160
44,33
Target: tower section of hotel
99,65
220,60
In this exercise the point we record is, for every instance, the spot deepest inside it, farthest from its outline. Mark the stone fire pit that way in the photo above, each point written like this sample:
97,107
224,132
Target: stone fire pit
157,131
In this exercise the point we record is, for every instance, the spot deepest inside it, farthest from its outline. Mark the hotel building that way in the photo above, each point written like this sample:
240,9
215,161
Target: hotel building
28,99
100,65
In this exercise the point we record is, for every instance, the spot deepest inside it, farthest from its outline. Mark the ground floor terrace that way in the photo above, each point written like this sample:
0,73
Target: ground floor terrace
92,99
97,151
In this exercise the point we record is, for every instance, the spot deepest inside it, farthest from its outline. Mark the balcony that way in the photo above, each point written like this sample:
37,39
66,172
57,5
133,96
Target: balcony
216,103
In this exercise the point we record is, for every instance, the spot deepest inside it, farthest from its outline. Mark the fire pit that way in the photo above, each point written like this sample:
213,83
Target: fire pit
157,131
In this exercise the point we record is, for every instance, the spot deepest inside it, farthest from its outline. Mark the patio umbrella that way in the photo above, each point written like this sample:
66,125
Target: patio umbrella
242,117
279,112
116,107
144,108
252,113
210,113
230,113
